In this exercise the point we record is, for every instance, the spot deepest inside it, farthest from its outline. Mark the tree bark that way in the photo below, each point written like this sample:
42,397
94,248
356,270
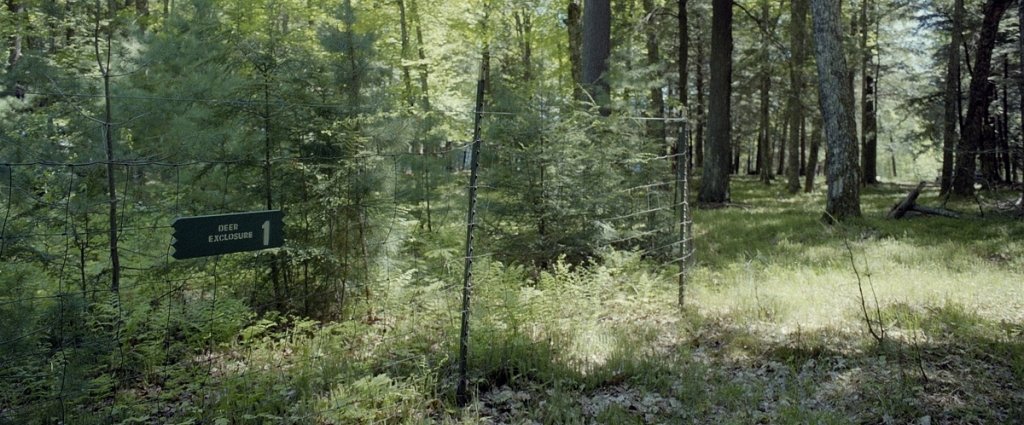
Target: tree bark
684,54
596,49
951,99
423,68
684,76
574,25
15,49
715,178
798,25
1020,85
843,196
406,53
656,109
812,156
869,116
1004,123
698,149
524,28
980,97
764,150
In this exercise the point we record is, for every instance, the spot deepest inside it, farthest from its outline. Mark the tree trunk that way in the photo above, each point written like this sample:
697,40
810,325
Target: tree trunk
15,49
656,109
980,97
737,151
812,156
869,117
784,136
764,150
1004,123
698,157
803,142
684,54
406,53
684,76
952,99
1020,85
597,16
715,178
524,30
843,198
424,70
798,25
573,23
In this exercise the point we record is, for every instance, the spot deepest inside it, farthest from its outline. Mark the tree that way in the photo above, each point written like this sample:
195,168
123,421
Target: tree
597,21
764,143
683,19
17,9
717,162
951,97
980,96
836,100
1020,85
798,32
869,113
812,155
573,25
656,108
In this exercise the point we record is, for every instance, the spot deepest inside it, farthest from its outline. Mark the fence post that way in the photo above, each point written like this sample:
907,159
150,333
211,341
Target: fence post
462,391
683,195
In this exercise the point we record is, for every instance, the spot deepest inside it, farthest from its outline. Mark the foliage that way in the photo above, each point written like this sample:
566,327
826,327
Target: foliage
220,106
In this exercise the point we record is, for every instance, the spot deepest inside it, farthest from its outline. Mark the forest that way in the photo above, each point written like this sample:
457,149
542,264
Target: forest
511,211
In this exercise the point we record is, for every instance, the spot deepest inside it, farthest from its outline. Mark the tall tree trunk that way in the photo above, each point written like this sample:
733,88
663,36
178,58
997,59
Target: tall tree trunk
764,150
737,151
424,70
980,97
798,25
656,109
574,25
869,116
783,137
951,99
1004,122
16,10
1019,163
684,76
524,29
843,198
597,19
812,156
715,178
406,53
698,149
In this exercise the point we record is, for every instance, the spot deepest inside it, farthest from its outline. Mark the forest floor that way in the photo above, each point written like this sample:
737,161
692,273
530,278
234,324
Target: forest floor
775,330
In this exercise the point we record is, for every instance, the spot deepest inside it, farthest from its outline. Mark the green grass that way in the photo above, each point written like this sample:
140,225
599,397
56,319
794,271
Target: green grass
772,332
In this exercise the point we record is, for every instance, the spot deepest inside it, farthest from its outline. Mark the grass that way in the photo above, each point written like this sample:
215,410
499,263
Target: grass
772,333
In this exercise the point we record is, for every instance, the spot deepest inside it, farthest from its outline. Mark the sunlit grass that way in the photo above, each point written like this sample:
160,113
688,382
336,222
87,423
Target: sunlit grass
773,330
771,259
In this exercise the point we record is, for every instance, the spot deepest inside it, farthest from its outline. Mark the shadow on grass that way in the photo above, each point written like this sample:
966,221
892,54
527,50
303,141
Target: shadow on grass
956,368
766,223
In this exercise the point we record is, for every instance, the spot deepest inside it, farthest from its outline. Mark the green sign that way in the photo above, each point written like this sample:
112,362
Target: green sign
208,235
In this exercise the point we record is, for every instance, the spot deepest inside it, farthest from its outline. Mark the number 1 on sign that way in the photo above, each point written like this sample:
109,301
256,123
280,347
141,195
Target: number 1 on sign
266,232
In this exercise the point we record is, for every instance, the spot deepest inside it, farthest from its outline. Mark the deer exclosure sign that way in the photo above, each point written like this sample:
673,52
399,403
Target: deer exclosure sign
208,235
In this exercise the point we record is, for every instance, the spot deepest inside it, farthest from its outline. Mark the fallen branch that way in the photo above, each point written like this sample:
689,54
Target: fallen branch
909,204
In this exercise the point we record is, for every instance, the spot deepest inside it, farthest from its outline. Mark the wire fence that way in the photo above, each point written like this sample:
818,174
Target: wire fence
347,248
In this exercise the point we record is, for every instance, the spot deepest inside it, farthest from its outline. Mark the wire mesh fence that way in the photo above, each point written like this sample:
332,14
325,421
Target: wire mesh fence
359,225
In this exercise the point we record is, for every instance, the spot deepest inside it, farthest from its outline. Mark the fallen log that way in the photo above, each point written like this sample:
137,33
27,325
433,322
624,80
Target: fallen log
909,204
899,210
935,211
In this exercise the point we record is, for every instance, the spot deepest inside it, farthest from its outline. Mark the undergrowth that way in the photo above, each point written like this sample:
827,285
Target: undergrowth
772,333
